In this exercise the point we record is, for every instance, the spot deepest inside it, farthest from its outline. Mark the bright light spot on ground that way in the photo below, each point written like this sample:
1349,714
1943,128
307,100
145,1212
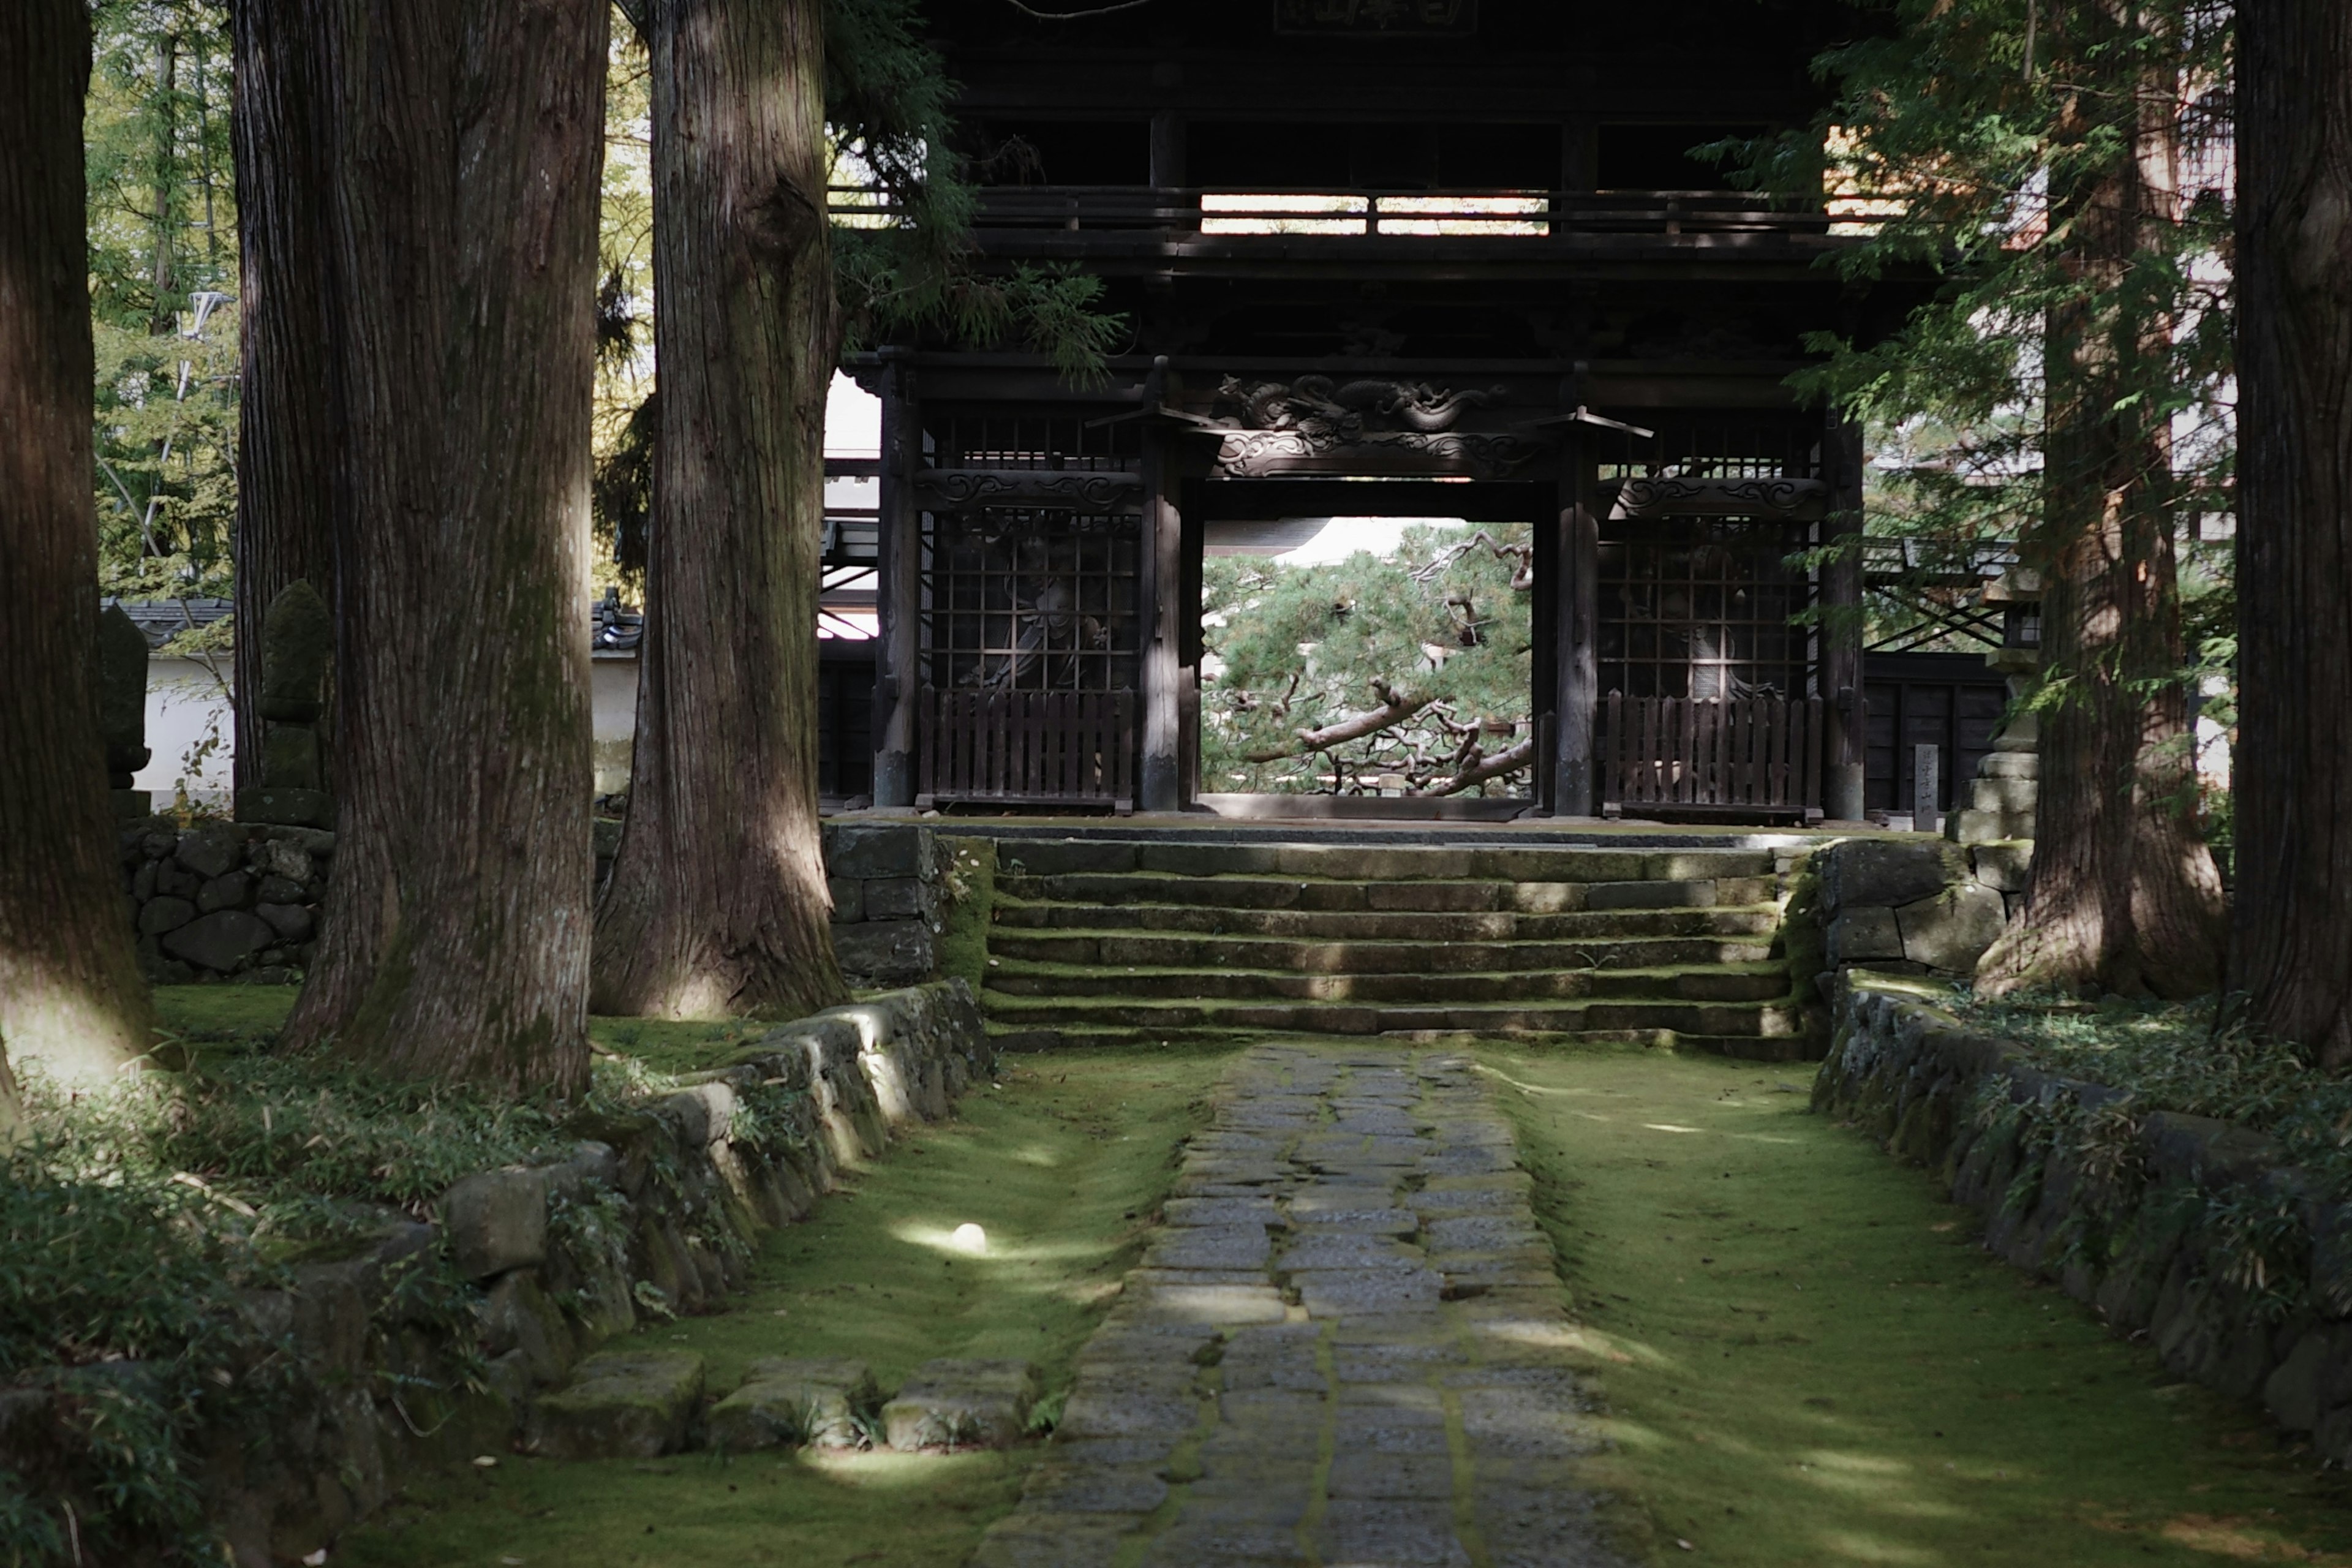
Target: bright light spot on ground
1667,1127
969,1238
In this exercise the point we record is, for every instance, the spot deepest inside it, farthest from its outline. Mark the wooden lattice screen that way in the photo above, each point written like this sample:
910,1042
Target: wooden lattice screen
1033,748
1711,756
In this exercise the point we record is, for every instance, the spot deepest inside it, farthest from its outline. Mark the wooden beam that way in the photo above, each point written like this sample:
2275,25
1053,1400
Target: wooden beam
898,582
1847,715
1160,784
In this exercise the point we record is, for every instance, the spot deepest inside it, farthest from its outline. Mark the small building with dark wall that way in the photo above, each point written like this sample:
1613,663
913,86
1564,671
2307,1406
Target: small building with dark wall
1414,258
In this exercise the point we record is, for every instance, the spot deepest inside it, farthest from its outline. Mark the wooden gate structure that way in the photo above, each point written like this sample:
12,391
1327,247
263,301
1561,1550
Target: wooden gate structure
1368,260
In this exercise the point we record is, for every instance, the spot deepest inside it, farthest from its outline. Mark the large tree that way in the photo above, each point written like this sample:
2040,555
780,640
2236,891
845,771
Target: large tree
2029,155
288,429
70,995
2123,895
718,902
2291,943
464,141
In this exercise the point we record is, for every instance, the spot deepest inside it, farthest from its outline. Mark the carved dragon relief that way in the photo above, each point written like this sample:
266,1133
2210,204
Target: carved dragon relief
1690,496
1388,426
1077,490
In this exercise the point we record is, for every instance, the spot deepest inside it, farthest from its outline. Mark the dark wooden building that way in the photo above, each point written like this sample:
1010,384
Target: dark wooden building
1404,256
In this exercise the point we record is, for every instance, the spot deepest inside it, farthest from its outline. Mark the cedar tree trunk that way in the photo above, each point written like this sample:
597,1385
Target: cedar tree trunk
286,439
718,903
70,995
2292,941
465,161
2123,895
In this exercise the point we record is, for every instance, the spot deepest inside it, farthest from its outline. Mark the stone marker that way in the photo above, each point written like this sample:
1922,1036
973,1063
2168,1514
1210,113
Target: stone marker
787,1401
956,1402
622,1405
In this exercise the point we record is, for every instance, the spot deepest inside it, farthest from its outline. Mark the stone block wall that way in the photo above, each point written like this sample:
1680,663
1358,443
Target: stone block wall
652,1212
2157,1240
224,901
889,902
1917,905
888,897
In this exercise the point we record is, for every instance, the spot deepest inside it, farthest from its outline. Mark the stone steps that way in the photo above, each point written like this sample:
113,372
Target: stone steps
1752,981
1114,1036
1378,863
1449,894
1100,940
1560,1017
1757,919
1117,950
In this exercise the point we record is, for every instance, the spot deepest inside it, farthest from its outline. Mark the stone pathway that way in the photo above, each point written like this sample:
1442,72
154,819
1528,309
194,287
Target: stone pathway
1343,1350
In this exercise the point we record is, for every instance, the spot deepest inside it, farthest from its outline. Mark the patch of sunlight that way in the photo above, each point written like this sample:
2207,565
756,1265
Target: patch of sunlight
942,1238
1858,1464
1572,1338
1669,1127
876,1468
1854,1547
1041,1155
2229,1538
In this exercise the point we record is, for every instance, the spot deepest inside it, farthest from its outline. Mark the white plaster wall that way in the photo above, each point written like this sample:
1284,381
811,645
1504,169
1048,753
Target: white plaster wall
613,697
189,730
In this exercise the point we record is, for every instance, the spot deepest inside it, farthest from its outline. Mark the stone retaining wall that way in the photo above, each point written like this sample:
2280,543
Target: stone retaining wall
1917,905
653,1212
2161,1238
224,901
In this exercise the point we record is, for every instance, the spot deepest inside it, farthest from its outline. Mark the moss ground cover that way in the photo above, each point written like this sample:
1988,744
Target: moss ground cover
1062,1167
1807,1360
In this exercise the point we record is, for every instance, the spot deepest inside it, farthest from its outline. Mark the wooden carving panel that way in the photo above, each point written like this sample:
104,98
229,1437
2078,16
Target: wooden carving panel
1394,18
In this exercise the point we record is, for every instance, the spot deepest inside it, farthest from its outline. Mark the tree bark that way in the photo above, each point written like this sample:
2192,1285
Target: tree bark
2123,895
70,996
2291,942
718,903
286,449
467,146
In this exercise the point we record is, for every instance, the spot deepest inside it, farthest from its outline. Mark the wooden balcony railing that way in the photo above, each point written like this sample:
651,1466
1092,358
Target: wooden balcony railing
1469,214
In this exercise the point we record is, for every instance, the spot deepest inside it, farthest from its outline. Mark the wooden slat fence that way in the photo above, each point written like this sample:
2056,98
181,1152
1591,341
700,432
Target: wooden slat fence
1034,748
1726,756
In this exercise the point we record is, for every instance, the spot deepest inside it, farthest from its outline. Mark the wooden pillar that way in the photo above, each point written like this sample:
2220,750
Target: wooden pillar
1161,781
1577,688
1841,628
1168,131
897,584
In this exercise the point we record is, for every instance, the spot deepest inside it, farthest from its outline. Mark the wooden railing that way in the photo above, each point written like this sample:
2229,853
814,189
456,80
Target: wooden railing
1027,748
1469,214
1711,756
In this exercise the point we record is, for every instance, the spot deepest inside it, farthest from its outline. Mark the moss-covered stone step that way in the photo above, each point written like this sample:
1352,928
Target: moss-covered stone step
1380,863
1754,1019
1363,894
962,1402
1749,1047
1384,925
1157,950
1751,982
788,1401
622,1405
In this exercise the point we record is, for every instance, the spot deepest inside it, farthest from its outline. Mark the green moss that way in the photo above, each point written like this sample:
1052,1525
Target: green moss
970,876
1807,1359
1062,1167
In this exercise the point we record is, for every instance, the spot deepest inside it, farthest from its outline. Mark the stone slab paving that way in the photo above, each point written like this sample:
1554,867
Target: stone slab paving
1344,1350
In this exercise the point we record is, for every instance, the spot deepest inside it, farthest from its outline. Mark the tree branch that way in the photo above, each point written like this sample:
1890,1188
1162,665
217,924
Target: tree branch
1396,707
1494,767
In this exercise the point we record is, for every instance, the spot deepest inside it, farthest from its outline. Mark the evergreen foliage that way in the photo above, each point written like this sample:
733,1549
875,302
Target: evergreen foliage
1443,625
1971,142
163,277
